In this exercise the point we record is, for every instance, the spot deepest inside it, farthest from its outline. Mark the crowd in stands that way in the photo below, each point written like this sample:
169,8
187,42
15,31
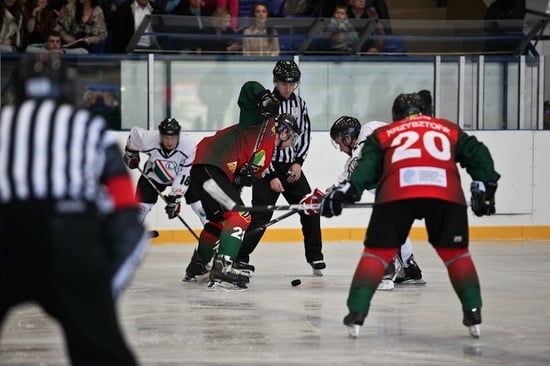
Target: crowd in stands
107,26
219,26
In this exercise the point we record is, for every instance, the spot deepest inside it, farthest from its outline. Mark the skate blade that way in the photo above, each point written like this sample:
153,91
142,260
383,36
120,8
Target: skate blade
318,272
226,286
385,285
474,330
197,278
353,330
420,281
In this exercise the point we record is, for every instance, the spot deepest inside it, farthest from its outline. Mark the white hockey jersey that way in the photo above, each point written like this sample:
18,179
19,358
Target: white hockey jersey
168,168
350,164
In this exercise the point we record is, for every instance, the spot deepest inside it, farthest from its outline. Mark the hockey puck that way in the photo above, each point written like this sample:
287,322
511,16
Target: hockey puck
296,282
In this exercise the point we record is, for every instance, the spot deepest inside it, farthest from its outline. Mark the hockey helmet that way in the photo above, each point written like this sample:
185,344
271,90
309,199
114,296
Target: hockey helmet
345,126
286,71
427,98
407,104
288,122
169,127
45,75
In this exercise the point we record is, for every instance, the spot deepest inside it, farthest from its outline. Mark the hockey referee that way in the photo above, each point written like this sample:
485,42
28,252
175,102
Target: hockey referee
58,249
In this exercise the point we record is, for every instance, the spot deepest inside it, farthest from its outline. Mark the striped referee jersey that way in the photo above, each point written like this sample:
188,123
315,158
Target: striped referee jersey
54,152
296,107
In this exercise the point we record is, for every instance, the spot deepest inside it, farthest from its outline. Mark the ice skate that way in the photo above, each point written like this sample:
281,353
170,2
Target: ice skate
197,269
244,267
354,321
219,285
472,320
223,271
410,275
317,267
387,283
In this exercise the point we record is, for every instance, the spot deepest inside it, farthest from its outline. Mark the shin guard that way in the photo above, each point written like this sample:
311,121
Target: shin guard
232,233
368,274
463,276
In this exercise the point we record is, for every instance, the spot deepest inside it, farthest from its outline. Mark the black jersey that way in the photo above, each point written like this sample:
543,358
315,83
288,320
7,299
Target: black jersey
52,152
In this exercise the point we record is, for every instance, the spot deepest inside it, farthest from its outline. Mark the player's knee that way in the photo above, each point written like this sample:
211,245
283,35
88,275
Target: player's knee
451,255
383,255
213,228
237,219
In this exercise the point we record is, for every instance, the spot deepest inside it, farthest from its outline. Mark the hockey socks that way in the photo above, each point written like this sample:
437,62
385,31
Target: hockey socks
463,276
232,233
368,274
208,240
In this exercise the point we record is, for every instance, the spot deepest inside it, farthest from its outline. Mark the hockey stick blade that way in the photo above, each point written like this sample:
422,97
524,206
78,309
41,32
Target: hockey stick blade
295,207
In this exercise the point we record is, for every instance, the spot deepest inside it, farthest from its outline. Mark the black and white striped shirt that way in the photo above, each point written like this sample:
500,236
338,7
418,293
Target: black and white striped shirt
296,107
51,152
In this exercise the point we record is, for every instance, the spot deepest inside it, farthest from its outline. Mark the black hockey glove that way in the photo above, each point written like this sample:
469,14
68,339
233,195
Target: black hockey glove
483,197
173,206
334,201
244,177
131,158
269,105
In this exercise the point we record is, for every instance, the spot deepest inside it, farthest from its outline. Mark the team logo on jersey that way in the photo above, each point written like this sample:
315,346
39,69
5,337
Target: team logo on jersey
166,170
232,166
295,111
352,164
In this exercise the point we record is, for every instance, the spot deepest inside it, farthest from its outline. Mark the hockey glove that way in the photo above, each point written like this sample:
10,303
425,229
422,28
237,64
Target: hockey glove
244,177
131,158
314,197
334,200
269,105
483,197
173,206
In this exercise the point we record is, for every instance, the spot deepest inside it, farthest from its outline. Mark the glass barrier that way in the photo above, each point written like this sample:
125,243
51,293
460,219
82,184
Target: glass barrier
201,91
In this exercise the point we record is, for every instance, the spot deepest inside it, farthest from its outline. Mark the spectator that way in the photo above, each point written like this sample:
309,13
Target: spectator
358,10
52,44
39,20
8,29
268,43
341,33
15,8
221,32
82,25
193,26
128,19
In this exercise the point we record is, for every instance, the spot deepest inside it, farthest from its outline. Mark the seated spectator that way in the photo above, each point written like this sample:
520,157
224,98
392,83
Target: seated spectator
510,33
8,29
52,44
221,32
15,8
341,33
268,43
128,19
39,20
191,8
358,10
81,25
300,8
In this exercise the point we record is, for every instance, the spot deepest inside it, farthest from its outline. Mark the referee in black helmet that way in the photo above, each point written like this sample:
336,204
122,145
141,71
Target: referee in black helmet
285,175
58,249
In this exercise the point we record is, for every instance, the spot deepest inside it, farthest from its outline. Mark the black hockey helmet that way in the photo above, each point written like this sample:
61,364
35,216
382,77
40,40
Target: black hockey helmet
286,71
169,127
426,96
345,126
407,104
44,75
288,122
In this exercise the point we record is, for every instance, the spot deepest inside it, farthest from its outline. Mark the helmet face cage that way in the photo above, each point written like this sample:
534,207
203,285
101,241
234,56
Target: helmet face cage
287,72
406,105
287,122
169,127
343,127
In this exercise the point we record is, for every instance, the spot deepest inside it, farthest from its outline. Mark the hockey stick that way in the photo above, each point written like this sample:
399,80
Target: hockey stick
223,199
166,201
274,221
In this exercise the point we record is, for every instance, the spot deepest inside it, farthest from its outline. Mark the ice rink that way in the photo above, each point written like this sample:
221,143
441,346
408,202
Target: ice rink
169,322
